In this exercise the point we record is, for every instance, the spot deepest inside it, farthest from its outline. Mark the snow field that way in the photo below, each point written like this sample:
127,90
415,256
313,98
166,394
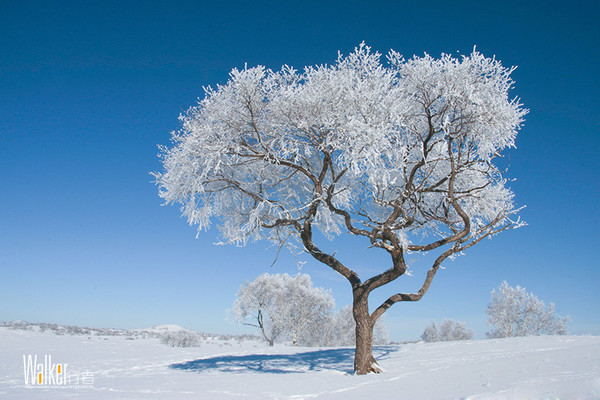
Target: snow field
545,367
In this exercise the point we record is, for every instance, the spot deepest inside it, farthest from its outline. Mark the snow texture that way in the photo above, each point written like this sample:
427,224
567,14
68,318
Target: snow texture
539,367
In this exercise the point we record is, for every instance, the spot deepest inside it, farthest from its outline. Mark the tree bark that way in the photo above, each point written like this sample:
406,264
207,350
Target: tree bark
364,362
261,325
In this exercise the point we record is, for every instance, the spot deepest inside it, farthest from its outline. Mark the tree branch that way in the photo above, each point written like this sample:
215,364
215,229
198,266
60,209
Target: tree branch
414,296
327,259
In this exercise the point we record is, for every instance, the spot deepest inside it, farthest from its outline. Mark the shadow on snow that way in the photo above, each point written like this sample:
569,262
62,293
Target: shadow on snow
341,360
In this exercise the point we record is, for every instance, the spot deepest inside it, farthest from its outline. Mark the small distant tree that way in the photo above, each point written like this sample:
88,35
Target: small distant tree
402,154
448,331
303,306
431,333
282,304
255,306
515,312
337,329
180,339
345,326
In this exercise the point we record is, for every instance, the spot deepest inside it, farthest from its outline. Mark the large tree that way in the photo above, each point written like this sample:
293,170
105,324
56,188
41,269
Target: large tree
401,153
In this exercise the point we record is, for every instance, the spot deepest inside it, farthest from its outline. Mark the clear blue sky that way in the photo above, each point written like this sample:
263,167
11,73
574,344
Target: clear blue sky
89,89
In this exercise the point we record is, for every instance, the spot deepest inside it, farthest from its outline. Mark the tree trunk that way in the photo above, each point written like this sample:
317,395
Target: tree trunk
261,325
270,340
364,362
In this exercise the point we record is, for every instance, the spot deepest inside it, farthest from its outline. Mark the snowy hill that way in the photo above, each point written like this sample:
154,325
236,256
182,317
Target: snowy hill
166,329
119,367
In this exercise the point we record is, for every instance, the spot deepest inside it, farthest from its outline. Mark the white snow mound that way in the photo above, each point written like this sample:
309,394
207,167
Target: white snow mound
167,329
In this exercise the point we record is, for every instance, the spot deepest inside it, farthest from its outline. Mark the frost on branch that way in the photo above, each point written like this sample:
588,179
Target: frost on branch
515,312
406,145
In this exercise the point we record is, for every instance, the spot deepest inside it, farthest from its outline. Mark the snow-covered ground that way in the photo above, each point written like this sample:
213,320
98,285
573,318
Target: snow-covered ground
564,367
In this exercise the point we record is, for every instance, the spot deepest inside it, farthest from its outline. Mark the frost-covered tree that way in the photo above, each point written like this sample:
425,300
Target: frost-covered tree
400,153
321,333
180,339
449,330
254,304
345,328
283,304
515,312
338,329
431,333
302,306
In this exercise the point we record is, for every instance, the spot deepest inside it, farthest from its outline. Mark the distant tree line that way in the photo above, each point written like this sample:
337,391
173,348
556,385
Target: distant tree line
183,338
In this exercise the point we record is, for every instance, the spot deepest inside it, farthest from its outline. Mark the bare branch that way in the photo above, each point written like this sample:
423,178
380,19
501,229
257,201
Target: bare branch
414,296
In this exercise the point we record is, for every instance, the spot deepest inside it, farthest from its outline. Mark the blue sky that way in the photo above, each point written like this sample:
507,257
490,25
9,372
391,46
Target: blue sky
89,89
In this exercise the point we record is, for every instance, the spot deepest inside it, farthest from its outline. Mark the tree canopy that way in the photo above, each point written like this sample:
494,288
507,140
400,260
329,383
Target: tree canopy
393,152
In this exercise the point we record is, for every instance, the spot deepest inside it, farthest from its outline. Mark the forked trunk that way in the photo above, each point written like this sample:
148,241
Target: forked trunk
364,362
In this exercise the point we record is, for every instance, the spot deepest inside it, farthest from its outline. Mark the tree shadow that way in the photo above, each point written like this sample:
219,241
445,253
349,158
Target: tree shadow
341,360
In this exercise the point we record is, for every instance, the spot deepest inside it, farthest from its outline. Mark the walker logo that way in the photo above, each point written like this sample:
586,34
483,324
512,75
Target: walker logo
47,373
